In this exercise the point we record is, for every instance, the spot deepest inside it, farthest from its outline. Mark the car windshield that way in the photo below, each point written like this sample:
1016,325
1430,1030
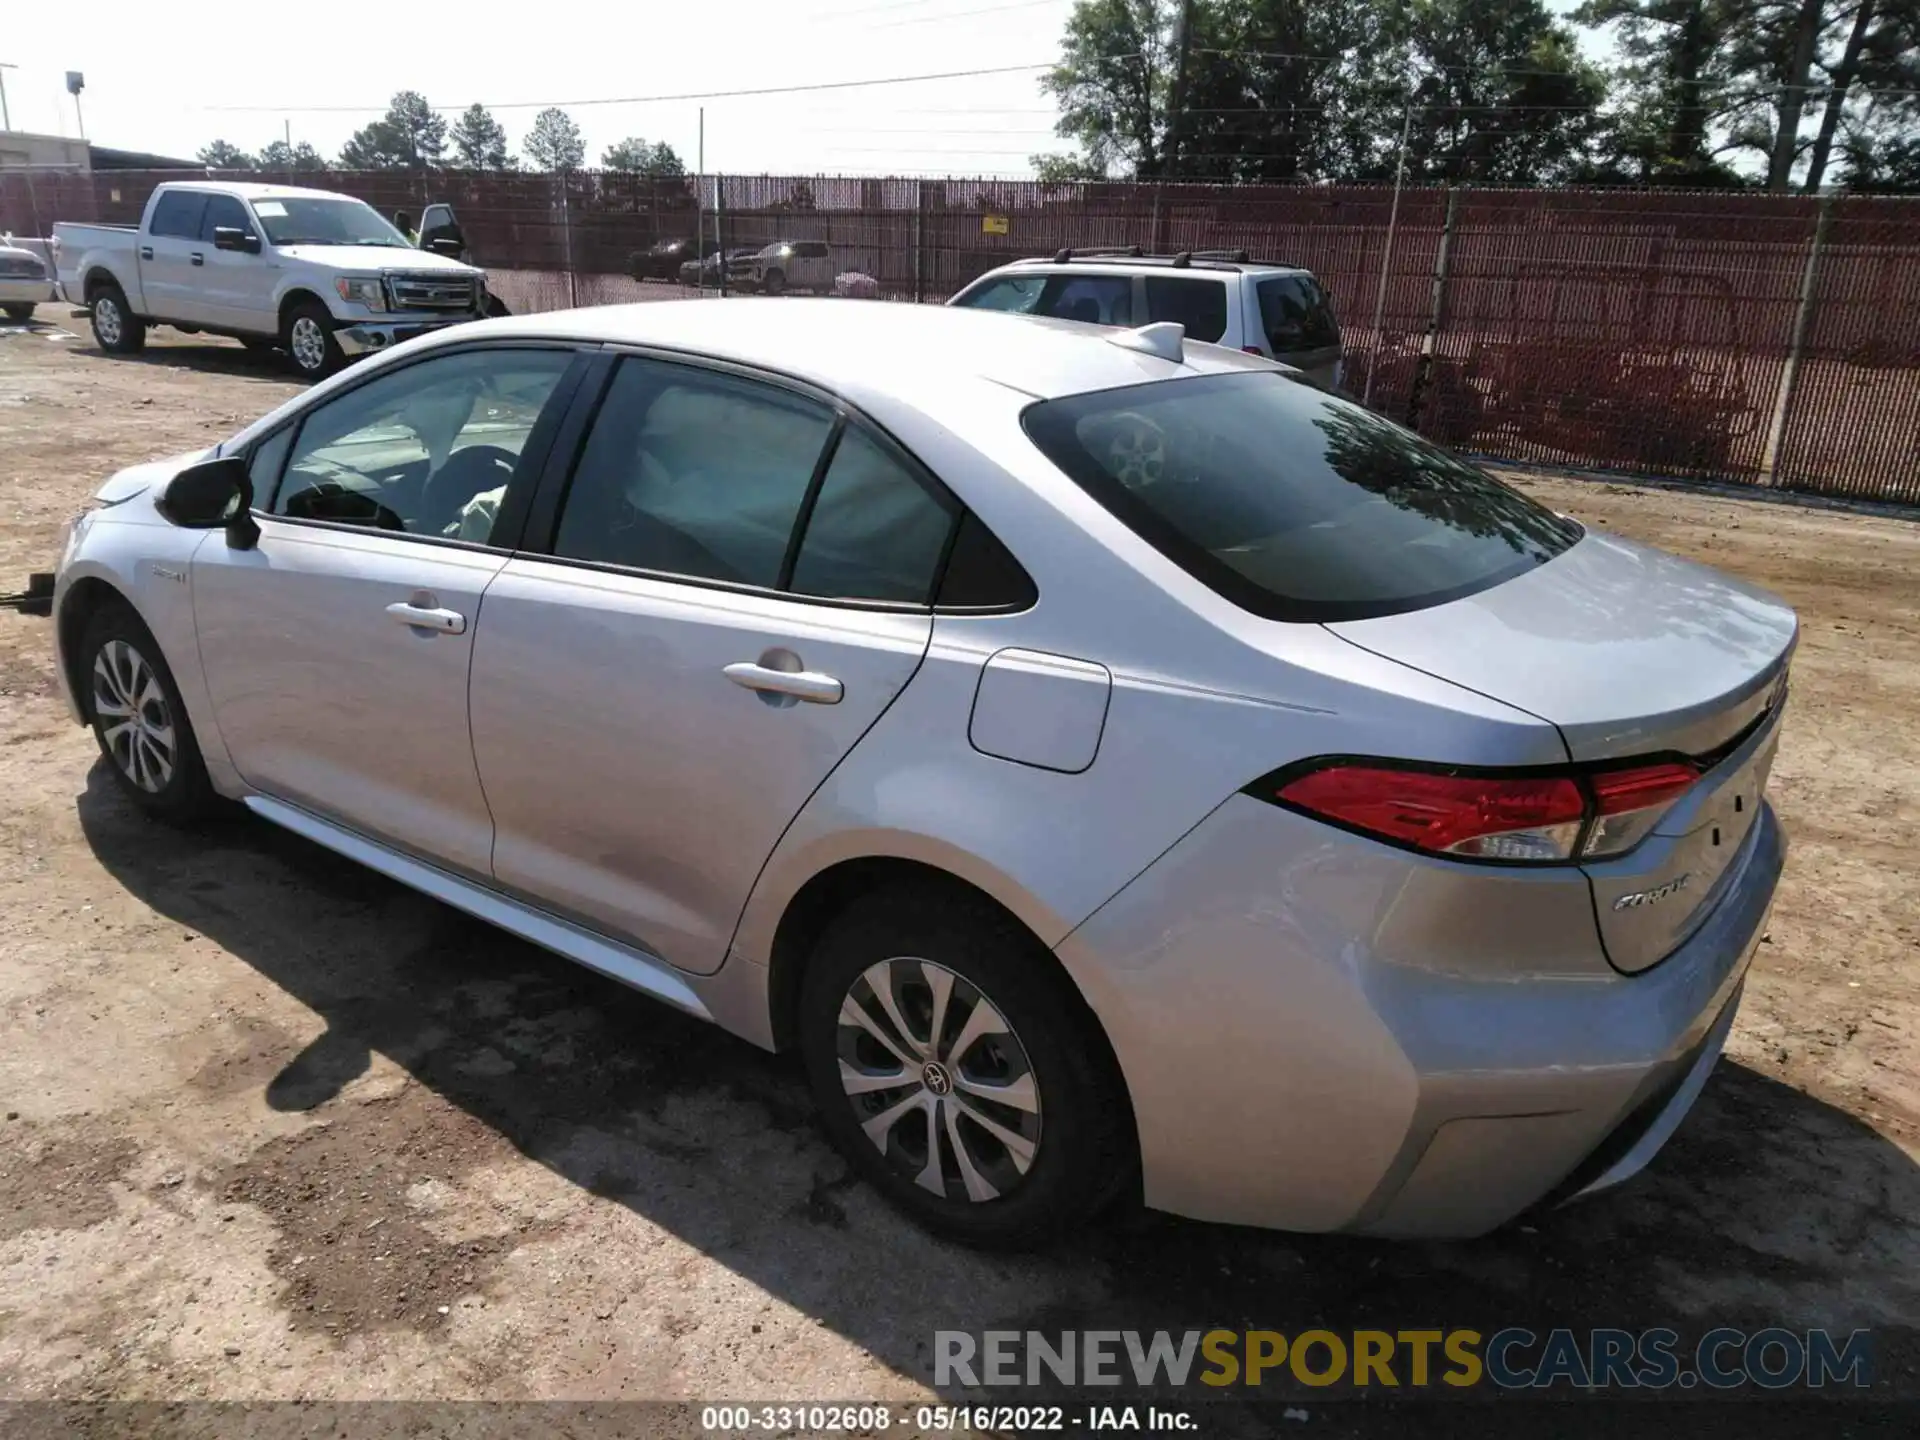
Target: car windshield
1291,503
295,220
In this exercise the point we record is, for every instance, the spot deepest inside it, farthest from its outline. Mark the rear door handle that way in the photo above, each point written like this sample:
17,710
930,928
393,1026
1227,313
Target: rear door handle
198,258
427,617
146,252
808,685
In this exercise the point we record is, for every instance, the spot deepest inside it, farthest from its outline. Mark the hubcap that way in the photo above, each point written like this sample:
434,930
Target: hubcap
938,1080
106,319
308,343
1136,456
135,724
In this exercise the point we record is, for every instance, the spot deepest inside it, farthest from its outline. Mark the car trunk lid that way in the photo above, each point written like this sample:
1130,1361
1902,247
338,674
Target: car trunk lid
1633,655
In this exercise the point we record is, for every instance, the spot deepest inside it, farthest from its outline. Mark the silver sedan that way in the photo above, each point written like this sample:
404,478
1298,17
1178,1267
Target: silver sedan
1111,765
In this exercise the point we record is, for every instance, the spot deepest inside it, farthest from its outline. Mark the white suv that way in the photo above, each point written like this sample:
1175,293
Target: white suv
1221,297
792,265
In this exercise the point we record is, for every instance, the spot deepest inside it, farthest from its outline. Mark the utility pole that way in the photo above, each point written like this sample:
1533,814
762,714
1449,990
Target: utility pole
6,120
1386,254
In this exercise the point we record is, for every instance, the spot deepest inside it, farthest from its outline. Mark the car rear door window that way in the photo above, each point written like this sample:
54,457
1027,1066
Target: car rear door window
875,531
223,213
1296,314
176,215
1200,305
693,472
1093,299
1291,503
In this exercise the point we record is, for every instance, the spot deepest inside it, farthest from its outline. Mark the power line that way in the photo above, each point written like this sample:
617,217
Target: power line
652,99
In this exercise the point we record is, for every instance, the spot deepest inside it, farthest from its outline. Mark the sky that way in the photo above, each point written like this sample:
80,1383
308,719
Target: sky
263,70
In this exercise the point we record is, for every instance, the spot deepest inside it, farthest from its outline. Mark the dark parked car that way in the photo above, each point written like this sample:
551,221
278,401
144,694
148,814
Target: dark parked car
664,260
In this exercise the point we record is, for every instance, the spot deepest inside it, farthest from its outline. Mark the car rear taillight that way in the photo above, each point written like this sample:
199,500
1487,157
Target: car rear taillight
1629,803
1524,816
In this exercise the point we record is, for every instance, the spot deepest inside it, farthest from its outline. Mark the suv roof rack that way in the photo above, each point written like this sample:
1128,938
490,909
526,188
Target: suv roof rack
1179,260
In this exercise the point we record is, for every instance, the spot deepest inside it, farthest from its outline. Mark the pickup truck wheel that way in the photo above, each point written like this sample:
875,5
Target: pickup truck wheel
309,343
775,283
114,326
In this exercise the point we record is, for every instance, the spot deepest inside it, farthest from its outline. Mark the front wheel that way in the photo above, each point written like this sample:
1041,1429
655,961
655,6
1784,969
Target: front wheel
308,340
775,282
138,718
115,327
958,1071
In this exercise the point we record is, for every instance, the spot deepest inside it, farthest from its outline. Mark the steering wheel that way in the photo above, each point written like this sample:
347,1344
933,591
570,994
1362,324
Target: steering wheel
1133,450
467,473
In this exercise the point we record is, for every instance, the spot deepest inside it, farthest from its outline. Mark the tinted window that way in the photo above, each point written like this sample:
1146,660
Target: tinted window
982,574
1095,299
425,450
811,250
1291,503
224,212
177,213
1199,305
692,472
1016,293
1296,313
875,533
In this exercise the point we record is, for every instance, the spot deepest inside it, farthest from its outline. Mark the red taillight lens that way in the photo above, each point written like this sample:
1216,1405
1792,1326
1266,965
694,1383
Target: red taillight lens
1627,804
1512,817
1523,816
1253,350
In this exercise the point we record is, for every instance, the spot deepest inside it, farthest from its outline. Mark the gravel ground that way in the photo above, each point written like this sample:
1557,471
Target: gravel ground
275,1127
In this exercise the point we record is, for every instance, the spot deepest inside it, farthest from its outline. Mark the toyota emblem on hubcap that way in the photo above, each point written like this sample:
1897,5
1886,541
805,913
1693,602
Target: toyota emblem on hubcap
935,1077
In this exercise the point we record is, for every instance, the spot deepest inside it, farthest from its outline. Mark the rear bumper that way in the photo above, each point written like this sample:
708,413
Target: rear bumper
367,337
1295,1062
22,291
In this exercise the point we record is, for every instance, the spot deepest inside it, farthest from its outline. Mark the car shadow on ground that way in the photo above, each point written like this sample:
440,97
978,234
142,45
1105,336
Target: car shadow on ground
212,357
1770,1207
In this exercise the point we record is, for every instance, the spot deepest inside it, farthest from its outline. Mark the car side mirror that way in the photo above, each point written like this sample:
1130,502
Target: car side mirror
447,245
232,237
212,495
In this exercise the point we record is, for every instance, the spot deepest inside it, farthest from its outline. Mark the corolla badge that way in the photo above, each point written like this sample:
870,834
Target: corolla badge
1655,895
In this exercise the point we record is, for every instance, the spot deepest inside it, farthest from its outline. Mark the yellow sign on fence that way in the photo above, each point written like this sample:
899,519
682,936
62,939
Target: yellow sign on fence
993,224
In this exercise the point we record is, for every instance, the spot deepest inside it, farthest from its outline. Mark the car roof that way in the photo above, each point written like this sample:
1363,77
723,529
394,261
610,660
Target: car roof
871,347
256,190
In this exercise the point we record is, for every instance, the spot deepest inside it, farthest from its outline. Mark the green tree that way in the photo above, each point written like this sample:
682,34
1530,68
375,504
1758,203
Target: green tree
222,155
554,143
1673,83
643,158
410,136
1112,83
479,141
301,158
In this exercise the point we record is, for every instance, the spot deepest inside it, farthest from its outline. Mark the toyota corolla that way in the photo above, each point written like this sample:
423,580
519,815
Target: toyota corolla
1110,764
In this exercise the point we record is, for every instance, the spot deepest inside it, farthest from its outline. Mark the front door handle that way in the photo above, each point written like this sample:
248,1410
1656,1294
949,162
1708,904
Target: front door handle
146,252
198,258
808,685
429,617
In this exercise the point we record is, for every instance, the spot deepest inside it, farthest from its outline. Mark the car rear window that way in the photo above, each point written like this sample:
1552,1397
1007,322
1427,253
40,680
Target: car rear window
1296,314
1291,503
1198,305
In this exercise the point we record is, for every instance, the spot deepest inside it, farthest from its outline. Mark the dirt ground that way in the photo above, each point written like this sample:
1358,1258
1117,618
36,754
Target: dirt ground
275,1127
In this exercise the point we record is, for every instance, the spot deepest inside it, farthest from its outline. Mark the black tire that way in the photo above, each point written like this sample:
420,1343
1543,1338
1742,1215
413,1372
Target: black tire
116,329
312,358
185,794
17,311
1080,1128
775,282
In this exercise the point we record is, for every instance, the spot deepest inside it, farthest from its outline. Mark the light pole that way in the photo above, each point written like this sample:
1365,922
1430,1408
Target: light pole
76,82
6,120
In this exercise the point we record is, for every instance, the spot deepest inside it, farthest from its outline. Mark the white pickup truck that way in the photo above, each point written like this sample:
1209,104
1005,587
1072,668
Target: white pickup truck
317,274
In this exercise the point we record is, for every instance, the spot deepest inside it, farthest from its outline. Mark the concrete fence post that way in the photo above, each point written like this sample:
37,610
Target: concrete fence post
1790,372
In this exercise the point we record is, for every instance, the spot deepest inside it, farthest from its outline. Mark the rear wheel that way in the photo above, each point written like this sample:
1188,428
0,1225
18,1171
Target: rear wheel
138,718
955,1068
308,340
17,311
114,325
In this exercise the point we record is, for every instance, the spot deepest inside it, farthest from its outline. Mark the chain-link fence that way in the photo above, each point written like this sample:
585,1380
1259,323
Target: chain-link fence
1763,339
